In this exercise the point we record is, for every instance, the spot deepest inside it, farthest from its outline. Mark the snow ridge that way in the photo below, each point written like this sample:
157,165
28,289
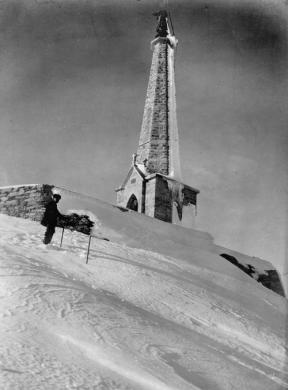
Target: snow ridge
133,318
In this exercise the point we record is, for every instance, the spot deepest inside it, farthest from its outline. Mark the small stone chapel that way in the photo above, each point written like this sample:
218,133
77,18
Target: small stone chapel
153,185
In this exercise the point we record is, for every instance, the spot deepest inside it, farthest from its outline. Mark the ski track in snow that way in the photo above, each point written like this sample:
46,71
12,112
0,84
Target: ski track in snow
130,319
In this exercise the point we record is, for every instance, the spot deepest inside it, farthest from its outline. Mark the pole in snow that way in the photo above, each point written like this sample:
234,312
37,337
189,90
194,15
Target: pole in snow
88,249
62,237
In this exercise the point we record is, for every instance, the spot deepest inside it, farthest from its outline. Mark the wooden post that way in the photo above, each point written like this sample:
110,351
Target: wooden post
62,237
88,249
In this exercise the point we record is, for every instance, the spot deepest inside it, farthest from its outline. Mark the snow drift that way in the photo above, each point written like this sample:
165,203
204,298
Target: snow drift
151,310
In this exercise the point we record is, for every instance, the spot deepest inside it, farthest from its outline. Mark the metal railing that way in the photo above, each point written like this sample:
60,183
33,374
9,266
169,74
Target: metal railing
89,242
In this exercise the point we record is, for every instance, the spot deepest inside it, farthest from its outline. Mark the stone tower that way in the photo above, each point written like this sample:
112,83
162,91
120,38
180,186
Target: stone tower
154,184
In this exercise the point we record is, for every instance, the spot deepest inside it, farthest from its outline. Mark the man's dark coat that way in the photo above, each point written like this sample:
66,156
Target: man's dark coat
51,214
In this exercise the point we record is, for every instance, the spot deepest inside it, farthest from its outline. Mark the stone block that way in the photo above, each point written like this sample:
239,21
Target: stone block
10,203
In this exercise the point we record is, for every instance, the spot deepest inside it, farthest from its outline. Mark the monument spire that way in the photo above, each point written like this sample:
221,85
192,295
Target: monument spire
154,183
158,143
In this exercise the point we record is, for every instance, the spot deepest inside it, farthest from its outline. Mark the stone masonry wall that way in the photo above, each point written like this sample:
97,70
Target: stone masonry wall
29,201
26,201
158,200
150,198
154,137
163,200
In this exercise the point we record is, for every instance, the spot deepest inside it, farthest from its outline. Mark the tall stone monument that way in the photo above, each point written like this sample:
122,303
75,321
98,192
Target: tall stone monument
154,184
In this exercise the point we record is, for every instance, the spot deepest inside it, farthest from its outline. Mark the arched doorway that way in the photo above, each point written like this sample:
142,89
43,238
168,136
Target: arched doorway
132,203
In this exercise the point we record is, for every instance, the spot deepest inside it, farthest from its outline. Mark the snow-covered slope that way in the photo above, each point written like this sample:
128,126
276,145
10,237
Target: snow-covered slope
150,310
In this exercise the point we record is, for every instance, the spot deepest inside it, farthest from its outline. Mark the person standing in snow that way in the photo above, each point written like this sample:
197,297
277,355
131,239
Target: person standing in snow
50,217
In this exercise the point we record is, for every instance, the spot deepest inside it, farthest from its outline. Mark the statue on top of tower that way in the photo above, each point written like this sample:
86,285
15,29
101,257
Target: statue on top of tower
162,27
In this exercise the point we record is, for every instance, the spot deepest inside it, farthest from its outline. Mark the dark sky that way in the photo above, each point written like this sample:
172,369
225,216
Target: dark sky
73,79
